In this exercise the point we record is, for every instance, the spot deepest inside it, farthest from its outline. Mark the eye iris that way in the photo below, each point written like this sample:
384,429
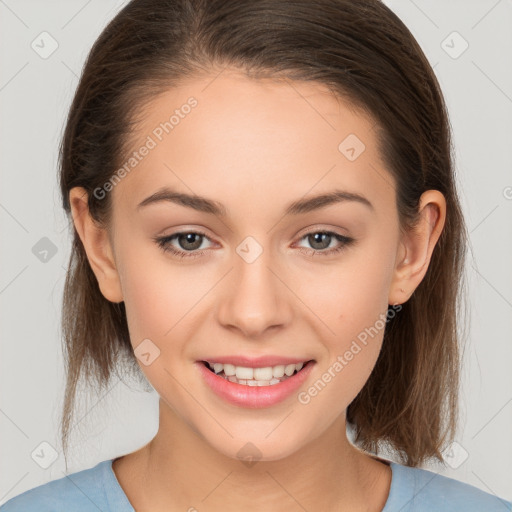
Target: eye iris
314,237
189,239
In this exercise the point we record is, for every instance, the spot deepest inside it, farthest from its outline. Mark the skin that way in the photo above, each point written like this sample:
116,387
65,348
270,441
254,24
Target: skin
255,146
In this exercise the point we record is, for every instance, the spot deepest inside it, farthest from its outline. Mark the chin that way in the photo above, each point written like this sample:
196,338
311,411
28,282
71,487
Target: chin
249,450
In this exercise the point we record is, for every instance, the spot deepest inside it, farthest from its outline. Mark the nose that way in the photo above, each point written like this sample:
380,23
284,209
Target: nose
254,298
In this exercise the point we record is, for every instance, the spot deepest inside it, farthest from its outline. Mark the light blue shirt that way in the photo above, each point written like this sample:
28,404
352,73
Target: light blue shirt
97,489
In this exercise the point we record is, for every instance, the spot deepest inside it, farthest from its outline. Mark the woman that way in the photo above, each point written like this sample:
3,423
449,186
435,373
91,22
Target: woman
267,228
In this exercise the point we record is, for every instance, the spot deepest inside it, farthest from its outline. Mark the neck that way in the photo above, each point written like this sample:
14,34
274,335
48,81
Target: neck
179,470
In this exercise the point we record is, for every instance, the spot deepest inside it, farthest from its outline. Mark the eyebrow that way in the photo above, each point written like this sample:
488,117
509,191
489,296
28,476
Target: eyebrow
301,206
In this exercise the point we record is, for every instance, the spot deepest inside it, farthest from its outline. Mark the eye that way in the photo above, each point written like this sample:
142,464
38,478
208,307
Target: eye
321,240
190,241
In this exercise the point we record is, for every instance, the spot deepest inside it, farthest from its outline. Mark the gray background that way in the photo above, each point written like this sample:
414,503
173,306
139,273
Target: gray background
35,93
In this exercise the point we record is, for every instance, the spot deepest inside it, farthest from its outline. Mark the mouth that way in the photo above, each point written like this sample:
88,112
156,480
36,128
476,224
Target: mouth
256,376
254,385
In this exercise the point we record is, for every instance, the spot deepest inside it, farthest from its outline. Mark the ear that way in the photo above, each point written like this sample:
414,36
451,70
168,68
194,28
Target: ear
416,247
97,245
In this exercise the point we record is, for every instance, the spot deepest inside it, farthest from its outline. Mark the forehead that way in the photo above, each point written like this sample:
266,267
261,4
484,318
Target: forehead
228,135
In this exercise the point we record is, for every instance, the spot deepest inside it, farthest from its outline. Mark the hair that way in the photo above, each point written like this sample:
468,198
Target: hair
364,54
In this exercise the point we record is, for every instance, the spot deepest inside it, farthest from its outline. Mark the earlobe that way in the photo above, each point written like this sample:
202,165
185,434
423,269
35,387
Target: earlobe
417,247
97,246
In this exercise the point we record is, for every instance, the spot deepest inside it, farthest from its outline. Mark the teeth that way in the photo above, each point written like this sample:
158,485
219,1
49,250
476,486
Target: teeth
243,373
264,373
260,376
229,369
278,371
289,369
270,382
252,382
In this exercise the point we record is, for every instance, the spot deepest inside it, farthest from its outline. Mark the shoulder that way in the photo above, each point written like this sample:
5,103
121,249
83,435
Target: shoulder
84,490
420,490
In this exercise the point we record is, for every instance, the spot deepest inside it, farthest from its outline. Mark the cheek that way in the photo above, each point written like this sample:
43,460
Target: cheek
351,302
161,300
158,295
349,297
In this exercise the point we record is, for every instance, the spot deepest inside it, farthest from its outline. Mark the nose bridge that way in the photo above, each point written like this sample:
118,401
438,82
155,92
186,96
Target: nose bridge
255,298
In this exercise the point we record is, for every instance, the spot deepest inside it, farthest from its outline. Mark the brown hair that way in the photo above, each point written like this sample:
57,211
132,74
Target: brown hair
363,53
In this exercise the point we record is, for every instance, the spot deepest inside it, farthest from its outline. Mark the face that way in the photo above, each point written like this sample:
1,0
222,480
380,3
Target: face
253,278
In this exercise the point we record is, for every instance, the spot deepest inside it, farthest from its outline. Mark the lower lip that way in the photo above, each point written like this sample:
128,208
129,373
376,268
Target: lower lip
255,397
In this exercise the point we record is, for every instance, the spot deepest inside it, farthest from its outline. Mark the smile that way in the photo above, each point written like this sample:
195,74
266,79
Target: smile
254,387
266,376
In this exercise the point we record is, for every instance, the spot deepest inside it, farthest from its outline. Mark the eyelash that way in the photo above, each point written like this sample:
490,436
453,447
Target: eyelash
163,243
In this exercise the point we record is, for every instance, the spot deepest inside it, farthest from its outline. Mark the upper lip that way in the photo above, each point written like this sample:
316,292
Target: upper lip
256,362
